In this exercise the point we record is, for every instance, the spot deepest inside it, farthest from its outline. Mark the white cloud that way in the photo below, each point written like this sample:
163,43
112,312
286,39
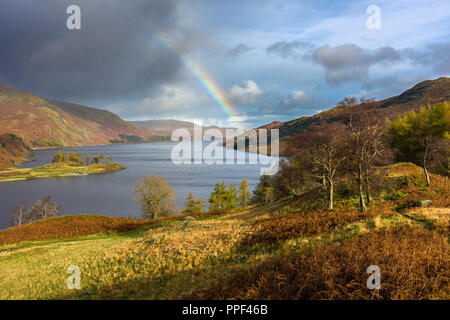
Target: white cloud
296,98
247,93
170,99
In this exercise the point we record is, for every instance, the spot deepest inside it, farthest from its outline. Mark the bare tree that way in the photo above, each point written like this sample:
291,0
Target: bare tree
375,151
348,102
156,197
18,213
327,156
43,209
365,144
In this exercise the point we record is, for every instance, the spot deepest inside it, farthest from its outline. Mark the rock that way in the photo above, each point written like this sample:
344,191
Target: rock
421,203
190,218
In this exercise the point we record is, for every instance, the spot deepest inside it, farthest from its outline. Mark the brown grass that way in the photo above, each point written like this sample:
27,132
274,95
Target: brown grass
414,265
416,189
69,226
80,225
310,218
301,224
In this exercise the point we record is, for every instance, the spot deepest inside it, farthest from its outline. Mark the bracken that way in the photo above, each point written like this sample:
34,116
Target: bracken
413,261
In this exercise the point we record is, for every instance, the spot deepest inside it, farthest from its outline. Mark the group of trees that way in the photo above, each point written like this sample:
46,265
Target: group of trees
228,198
78,158
357,153
354,155
157,198
423,138
41,210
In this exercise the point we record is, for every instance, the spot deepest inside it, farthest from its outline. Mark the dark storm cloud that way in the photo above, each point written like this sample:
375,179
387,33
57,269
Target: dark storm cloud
294,103
238,50
288,48
115,55
350,62
436,55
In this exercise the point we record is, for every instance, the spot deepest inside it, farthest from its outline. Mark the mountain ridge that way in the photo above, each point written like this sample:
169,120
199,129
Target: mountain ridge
41,122
292,133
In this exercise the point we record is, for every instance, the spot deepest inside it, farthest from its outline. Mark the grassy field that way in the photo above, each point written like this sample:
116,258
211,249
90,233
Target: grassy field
239,255
57,170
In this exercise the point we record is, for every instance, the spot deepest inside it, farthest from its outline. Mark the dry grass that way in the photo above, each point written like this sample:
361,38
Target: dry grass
414,265
81,225
69,226
168,261
440,215
416,189
293,250
302,224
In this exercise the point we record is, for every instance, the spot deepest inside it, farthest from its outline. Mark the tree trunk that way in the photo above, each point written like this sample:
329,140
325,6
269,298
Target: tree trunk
331,194
360,189
427,176
425,155
368,193
324,182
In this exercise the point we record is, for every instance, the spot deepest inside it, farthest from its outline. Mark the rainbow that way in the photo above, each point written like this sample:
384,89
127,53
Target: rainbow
211,87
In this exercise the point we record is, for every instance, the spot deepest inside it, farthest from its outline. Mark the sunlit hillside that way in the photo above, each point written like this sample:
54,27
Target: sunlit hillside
289,249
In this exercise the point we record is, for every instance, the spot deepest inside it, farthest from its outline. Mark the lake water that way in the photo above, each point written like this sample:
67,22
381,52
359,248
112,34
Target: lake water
112,193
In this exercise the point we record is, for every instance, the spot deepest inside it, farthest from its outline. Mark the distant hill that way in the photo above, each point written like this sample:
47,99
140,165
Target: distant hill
428,92
166,127
105,118
45,123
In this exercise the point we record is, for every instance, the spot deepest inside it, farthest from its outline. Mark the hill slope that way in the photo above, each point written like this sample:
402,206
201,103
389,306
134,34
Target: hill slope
40,123
288,249
166,127
293,132
105,118
12,150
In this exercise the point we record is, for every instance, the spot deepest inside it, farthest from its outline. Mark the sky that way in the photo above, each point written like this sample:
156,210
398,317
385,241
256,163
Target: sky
229,63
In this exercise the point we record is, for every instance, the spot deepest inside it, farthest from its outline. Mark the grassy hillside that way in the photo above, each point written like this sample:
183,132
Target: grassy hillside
105,118
12,150
42,123
289,249
294,132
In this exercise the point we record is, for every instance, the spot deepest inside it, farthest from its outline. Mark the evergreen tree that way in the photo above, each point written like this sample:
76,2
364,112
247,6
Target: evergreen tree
88,159
99,158
231,197
217,198
193,205
58,158
244,193
264,190
76,157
